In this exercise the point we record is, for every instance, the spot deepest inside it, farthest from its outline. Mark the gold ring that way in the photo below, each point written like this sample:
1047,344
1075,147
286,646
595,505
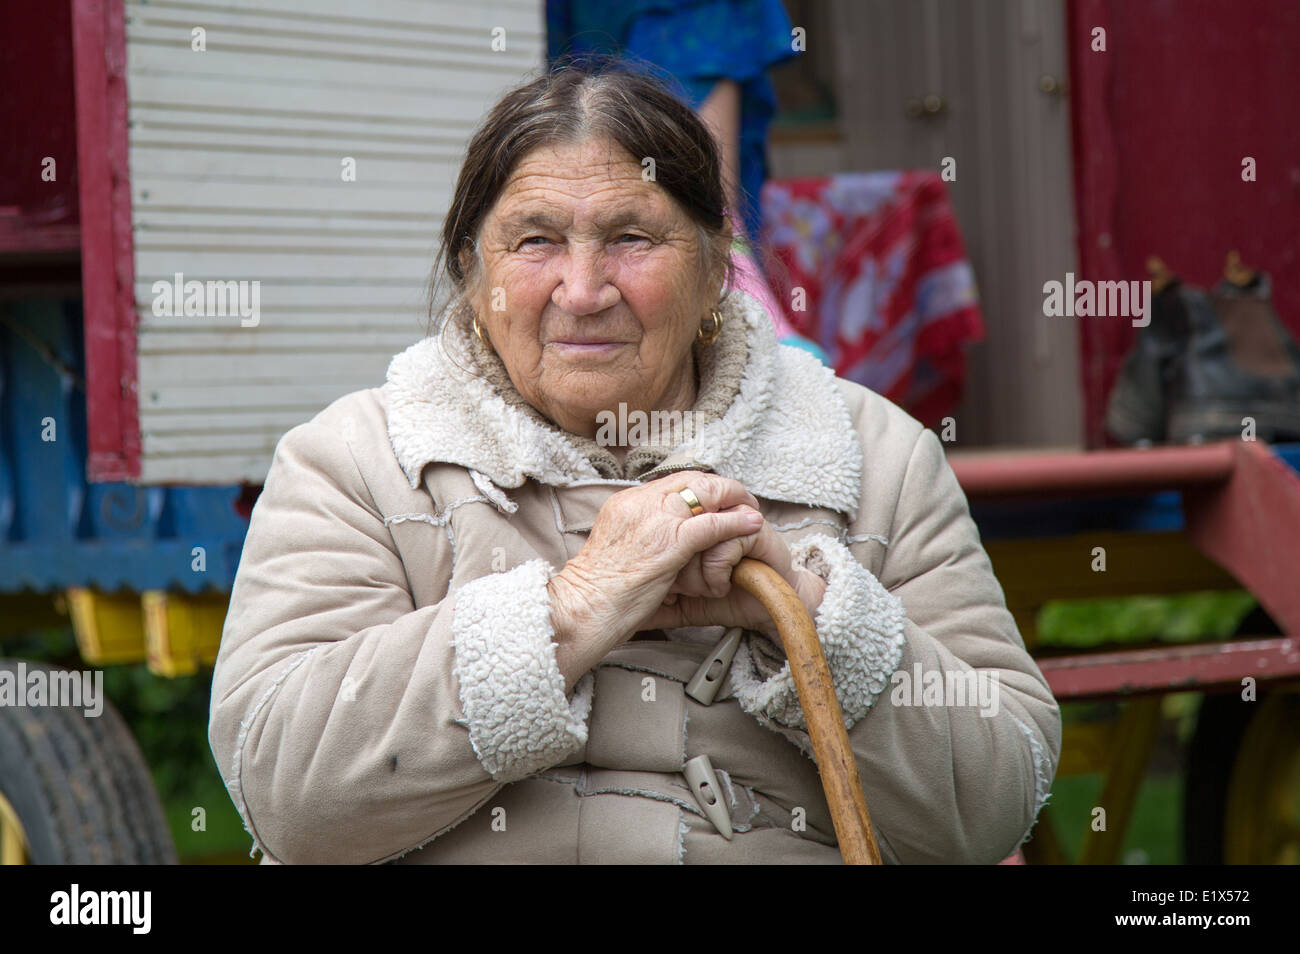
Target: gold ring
692,501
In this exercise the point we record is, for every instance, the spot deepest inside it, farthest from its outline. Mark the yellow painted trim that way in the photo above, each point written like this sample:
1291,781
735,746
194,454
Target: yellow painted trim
109,626
1086,747
1135,735
182,631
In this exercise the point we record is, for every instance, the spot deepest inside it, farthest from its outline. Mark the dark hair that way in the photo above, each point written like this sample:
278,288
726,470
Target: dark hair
578,99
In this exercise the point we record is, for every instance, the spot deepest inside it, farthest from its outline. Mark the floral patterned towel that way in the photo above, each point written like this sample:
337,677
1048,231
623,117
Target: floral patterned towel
877,262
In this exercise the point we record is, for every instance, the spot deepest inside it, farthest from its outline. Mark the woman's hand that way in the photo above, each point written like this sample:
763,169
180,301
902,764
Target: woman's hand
648,562
703,594
641,540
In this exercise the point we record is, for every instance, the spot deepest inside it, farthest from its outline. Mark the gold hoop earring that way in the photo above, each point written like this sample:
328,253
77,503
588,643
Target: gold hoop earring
478,330
710,328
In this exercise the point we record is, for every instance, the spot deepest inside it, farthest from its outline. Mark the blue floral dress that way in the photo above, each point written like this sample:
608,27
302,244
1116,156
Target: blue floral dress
699,42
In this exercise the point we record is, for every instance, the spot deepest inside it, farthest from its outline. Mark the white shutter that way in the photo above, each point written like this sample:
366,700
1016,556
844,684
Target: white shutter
236,176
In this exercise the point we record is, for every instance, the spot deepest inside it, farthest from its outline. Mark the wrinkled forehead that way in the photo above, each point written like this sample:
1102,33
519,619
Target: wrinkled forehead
593,184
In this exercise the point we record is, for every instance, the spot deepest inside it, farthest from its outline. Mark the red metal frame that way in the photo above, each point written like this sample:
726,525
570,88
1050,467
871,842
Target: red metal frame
1241,507
107,255
1250,526
1200,667
1101,472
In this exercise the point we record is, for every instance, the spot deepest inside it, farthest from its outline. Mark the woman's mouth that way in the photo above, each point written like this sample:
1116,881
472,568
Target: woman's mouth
585,348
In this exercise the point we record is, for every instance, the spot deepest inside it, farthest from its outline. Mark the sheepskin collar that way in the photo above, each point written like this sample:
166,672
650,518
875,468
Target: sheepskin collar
785,433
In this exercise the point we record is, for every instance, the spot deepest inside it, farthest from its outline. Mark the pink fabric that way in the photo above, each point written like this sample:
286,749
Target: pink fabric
887,289
749,278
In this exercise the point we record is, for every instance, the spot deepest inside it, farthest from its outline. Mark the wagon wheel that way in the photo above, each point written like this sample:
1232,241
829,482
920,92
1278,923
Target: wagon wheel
1262,823
1221,721
1242,797
74,788
13,838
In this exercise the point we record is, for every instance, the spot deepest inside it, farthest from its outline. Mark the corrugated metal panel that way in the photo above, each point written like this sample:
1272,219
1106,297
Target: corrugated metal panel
236,176
1013,189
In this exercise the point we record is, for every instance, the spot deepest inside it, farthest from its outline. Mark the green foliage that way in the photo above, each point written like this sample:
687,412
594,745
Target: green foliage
1188,617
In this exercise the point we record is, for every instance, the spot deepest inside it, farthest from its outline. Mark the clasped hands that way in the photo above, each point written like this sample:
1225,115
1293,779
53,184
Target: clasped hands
650,563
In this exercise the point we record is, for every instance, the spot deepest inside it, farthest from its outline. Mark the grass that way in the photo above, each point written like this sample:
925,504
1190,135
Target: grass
1154,833
223,838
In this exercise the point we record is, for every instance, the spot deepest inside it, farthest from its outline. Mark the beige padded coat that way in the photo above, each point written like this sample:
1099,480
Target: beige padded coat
387,688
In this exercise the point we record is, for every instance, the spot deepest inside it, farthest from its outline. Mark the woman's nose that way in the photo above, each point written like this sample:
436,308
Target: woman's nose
584,288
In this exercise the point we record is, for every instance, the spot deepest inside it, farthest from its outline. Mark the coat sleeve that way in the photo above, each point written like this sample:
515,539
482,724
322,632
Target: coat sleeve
960,777
349,726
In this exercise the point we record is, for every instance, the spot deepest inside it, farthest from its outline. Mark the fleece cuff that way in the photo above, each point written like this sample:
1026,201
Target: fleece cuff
511,689
860,626
1043,774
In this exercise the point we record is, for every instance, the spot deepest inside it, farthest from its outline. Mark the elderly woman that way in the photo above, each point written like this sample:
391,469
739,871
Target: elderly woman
472,602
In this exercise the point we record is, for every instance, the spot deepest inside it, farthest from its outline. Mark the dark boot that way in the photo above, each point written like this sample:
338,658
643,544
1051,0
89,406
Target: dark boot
1140,400
1240,363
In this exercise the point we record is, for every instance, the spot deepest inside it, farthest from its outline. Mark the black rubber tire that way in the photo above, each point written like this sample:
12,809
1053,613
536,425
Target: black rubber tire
80,786
1220,724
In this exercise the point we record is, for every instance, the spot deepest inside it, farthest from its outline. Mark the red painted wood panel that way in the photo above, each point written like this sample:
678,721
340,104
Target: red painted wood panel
107,257
1162,120
37,214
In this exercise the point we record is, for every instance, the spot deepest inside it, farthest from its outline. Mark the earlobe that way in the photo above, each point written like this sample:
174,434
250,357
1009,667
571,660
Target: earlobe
721,282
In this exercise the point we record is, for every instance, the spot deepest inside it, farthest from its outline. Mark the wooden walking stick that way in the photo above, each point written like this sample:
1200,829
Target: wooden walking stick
821,709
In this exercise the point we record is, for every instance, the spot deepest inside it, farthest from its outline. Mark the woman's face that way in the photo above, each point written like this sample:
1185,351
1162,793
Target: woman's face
591,290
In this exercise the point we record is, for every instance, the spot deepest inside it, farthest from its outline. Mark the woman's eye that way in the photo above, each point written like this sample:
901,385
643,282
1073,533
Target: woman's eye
632,237
534,239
